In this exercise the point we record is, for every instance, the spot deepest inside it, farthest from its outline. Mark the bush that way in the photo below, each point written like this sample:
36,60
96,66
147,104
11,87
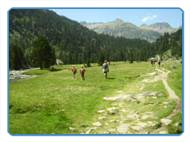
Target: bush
53,68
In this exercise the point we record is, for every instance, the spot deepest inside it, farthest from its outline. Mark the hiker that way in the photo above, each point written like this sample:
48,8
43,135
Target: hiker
82,72
74,71
159,63
105,69
152,61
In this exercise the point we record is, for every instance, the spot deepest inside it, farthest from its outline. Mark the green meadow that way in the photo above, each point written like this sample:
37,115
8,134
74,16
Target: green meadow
132,100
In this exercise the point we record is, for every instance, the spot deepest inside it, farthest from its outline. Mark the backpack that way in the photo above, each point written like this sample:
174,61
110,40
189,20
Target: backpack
105,67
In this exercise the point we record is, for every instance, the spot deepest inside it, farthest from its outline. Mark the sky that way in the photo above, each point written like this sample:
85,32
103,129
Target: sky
135,16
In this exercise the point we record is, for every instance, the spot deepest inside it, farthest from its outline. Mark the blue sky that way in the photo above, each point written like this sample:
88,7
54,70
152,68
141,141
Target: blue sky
136,16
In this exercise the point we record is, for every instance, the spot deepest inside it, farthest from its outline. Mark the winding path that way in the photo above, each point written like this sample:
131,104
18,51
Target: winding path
164,76
119,119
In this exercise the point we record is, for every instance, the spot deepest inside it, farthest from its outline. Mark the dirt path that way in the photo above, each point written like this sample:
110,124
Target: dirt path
126,116
164,76
171,93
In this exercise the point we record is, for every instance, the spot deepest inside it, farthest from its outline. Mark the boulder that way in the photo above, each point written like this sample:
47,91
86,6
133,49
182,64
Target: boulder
97,124
101,111
165,121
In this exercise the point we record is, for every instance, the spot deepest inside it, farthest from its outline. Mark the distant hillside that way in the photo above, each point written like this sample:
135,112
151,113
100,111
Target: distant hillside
120,28
73,43
159,27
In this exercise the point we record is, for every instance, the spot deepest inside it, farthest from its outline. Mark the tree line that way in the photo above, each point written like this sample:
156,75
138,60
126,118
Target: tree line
39,37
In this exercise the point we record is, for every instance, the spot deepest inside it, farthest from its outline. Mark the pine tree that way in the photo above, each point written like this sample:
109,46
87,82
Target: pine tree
43,54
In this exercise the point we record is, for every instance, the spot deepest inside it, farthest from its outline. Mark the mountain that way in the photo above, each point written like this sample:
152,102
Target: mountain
159,27
120,28
72,42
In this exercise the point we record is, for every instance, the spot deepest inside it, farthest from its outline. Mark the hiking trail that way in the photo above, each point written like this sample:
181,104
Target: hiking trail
134,113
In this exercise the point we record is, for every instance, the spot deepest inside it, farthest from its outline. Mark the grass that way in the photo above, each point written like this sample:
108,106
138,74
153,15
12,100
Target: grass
175,80
54,101
36,72
175,76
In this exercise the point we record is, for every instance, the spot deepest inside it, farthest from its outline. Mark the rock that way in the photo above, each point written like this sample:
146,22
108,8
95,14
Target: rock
133,116
100,111
59,111
176,124
159,94
154,97
144,117
142,124
165,103
152,123
139,126
136,128
153,94
112,110
114,104
165,106
106,132
15,75
72,129
90,130
123,110
147,115
121,97
151,74
110,98
139,98
163,132
123,128
145,80
165,121
113,121
150,94
106,124
101,118
97,124
120,92
110,131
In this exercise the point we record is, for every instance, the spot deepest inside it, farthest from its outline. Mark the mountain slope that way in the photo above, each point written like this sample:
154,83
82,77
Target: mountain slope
73,43
159,27
120,28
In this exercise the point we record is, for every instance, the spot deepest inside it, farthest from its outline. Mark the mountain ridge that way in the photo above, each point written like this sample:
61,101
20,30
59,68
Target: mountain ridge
121,28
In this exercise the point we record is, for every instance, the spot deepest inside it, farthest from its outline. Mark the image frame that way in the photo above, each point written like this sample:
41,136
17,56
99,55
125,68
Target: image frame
45,8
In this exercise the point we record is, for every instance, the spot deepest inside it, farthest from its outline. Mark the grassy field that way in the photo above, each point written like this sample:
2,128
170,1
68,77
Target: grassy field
55,103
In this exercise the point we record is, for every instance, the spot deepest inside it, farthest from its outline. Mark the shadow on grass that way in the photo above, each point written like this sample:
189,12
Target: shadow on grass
111,78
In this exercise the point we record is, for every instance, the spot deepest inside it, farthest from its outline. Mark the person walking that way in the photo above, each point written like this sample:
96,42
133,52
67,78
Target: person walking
159,63
74,71
82,72
105,69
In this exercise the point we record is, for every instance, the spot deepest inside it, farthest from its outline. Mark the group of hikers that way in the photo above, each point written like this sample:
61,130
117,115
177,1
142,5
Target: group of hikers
105,69
153,61
82,72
